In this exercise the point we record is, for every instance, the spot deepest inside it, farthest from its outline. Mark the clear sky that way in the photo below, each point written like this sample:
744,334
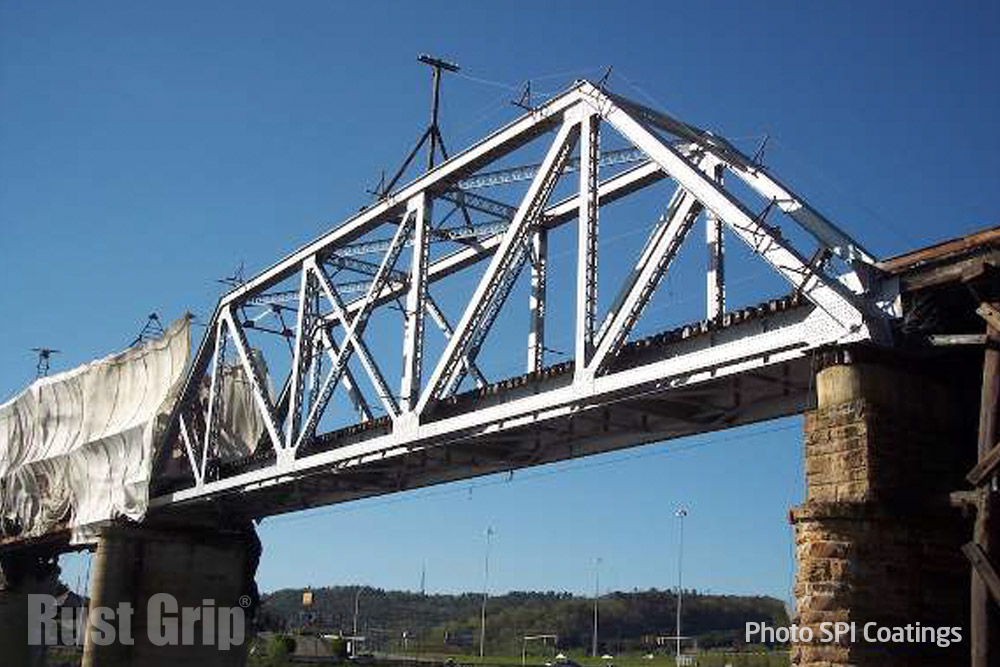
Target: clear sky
146,149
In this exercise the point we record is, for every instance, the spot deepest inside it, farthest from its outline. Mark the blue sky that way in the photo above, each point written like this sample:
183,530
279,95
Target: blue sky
147,149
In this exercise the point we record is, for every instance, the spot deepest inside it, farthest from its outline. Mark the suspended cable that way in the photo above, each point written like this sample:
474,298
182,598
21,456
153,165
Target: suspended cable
798,156
501,478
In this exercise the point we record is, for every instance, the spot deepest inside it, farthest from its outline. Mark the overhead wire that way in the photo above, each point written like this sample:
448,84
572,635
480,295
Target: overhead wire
463,74
891,226
852,196
482,115
502,478
657,104
516,88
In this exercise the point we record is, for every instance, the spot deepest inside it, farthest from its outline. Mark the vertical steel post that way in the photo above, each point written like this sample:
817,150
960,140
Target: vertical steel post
416,300
539,267
586,287
354,639
716,292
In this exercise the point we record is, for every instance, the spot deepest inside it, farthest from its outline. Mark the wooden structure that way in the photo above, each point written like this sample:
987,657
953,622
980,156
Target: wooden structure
973,262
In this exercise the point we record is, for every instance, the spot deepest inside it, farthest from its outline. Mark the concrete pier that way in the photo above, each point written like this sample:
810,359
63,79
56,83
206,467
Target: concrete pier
202,570
23,573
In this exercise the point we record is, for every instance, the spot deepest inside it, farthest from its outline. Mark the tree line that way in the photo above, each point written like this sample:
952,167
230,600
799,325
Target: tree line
443,623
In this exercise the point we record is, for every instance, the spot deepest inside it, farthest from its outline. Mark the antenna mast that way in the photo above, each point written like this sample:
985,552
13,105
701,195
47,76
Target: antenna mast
44,358
433,132
151,330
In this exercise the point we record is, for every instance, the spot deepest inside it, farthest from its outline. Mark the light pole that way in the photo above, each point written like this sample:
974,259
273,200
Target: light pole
354,638
528,638
486,585
597,596
681,513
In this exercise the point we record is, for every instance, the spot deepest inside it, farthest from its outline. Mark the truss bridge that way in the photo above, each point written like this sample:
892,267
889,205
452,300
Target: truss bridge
542,295
351,397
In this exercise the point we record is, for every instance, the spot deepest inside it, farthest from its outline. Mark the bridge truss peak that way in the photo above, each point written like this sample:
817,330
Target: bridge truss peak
351,388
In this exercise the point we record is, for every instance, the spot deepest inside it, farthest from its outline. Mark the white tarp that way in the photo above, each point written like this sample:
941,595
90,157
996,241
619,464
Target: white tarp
76,448
240,422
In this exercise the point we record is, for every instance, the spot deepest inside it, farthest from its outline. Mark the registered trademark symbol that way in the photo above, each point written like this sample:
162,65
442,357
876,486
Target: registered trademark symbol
245,601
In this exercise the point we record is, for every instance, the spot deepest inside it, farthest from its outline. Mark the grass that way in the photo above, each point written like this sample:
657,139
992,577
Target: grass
705,659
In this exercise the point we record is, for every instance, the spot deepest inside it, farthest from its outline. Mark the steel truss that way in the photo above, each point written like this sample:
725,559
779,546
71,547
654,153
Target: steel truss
838,296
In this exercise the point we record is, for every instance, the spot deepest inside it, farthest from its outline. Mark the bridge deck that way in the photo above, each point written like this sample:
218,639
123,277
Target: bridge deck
660,409
364,460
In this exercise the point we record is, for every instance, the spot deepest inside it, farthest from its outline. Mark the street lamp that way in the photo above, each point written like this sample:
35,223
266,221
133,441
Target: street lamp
354,638
680,514
597,596
486,584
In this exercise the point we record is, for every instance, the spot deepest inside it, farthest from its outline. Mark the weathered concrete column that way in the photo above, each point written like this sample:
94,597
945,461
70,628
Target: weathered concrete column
876,539
14,627
201,570
22,574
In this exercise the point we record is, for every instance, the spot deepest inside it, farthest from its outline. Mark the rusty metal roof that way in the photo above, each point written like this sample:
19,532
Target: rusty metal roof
945,251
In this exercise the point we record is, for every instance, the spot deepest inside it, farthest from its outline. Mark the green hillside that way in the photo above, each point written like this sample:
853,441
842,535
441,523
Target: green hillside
450,623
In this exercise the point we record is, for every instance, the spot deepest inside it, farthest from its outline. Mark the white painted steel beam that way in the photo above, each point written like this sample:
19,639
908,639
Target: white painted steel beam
829,294
350,383
416,300
536,299
643,280
511,249
353,342
606,371
448,331
715,276
742,348
256,378
504,140
587,230
301,358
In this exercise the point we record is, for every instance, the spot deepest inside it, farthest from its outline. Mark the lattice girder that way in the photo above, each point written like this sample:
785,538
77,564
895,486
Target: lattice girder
844,307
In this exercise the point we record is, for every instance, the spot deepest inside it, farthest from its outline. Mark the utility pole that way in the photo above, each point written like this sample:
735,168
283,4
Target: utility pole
44,360
486,588
354,638
436,65
597,596
432,135
151,330
681,513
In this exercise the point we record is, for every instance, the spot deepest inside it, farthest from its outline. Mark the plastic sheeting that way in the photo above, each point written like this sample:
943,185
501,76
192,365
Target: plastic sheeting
241,424
76,448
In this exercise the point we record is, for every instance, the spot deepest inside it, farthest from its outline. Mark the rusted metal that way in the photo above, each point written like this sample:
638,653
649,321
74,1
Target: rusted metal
942,251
